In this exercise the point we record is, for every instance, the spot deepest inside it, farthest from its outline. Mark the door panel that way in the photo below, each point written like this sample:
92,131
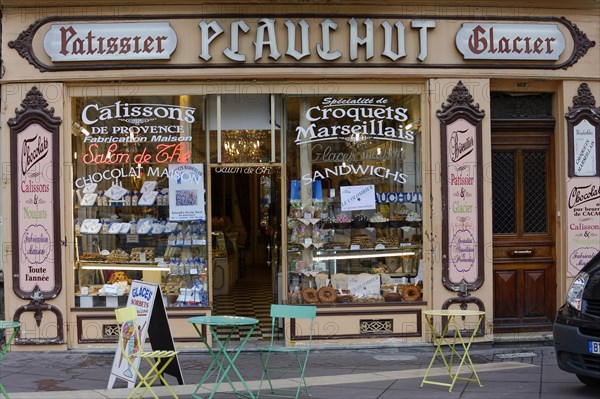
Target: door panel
534,293
505,286
523,241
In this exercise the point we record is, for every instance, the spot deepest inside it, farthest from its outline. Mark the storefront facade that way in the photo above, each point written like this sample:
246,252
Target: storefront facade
377,162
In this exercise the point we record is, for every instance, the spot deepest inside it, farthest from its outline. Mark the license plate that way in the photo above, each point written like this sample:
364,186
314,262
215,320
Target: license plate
594,347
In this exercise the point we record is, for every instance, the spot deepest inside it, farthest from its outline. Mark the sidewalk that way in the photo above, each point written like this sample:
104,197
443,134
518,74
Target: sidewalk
506,371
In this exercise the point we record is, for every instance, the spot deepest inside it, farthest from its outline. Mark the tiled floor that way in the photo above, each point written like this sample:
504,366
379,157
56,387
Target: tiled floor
251,299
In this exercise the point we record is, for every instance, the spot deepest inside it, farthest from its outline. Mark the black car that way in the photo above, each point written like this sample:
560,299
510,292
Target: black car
577,326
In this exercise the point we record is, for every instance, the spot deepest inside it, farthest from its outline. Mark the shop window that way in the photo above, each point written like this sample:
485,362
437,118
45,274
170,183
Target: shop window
138,198
355,199
244,128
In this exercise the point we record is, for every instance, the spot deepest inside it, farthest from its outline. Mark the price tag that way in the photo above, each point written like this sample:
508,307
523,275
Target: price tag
133,238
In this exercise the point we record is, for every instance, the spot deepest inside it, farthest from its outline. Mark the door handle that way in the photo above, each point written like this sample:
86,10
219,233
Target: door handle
521,252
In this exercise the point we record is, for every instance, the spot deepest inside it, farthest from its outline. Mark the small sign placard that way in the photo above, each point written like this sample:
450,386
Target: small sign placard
355,198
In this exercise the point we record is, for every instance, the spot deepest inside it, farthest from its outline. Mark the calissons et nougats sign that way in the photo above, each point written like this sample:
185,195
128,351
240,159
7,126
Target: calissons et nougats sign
247,40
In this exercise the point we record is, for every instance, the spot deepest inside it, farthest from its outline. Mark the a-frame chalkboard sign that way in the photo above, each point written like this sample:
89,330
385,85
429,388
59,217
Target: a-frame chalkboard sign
152,317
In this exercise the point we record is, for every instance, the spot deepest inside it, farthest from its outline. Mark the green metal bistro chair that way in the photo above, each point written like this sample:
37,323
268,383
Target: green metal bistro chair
132,348
271,369
7,325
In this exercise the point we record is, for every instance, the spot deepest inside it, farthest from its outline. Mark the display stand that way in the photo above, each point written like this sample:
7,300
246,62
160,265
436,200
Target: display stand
152,316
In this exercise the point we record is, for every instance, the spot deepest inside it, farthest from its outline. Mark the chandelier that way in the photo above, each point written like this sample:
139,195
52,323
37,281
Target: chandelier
357,142
245,146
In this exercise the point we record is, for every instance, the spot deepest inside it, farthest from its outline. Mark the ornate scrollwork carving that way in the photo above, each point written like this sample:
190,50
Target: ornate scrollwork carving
34,100
582,43
460,98
584,100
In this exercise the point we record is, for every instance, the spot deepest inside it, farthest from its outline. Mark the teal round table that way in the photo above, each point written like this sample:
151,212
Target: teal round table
223,361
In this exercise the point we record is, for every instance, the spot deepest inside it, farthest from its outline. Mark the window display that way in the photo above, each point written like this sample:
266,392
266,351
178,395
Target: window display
139,199
355,199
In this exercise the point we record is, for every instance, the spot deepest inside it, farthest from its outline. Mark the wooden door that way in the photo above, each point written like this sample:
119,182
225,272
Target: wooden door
523,228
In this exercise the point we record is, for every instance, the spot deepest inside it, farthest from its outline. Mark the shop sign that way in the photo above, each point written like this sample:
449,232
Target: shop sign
583,133
397,197
34,147
109,131
583,220
364,284
110,41
583,186
496,41
353,120
35,210
462,240
299,40
35,217
462,195
584,149
153,323
356,198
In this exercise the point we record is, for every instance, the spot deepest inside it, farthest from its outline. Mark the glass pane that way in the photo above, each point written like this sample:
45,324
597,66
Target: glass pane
125,230
245,128
536,206
355,192
503,187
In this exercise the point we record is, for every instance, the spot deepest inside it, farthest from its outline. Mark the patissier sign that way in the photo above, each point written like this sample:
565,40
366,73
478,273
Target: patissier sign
110,41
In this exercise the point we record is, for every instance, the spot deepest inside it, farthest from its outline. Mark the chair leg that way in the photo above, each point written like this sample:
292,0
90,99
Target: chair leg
4,391
302,368
264,359
155,373
160,375
301,362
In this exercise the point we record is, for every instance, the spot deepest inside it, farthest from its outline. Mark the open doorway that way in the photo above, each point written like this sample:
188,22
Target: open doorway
245,214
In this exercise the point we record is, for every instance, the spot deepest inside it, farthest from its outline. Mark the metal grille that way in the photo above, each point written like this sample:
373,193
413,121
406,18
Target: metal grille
110,331
503,175
592,307
376,326
534,182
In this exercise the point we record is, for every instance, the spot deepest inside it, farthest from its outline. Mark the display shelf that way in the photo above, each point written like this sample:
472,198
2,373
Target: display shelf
112,206
172,254
107,265
369,260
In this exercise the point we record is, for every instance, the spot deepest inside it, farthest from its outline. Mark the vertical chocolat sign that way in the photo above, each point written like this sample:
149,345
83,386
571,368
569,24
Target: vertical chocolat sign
462,252
35,199
583,186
